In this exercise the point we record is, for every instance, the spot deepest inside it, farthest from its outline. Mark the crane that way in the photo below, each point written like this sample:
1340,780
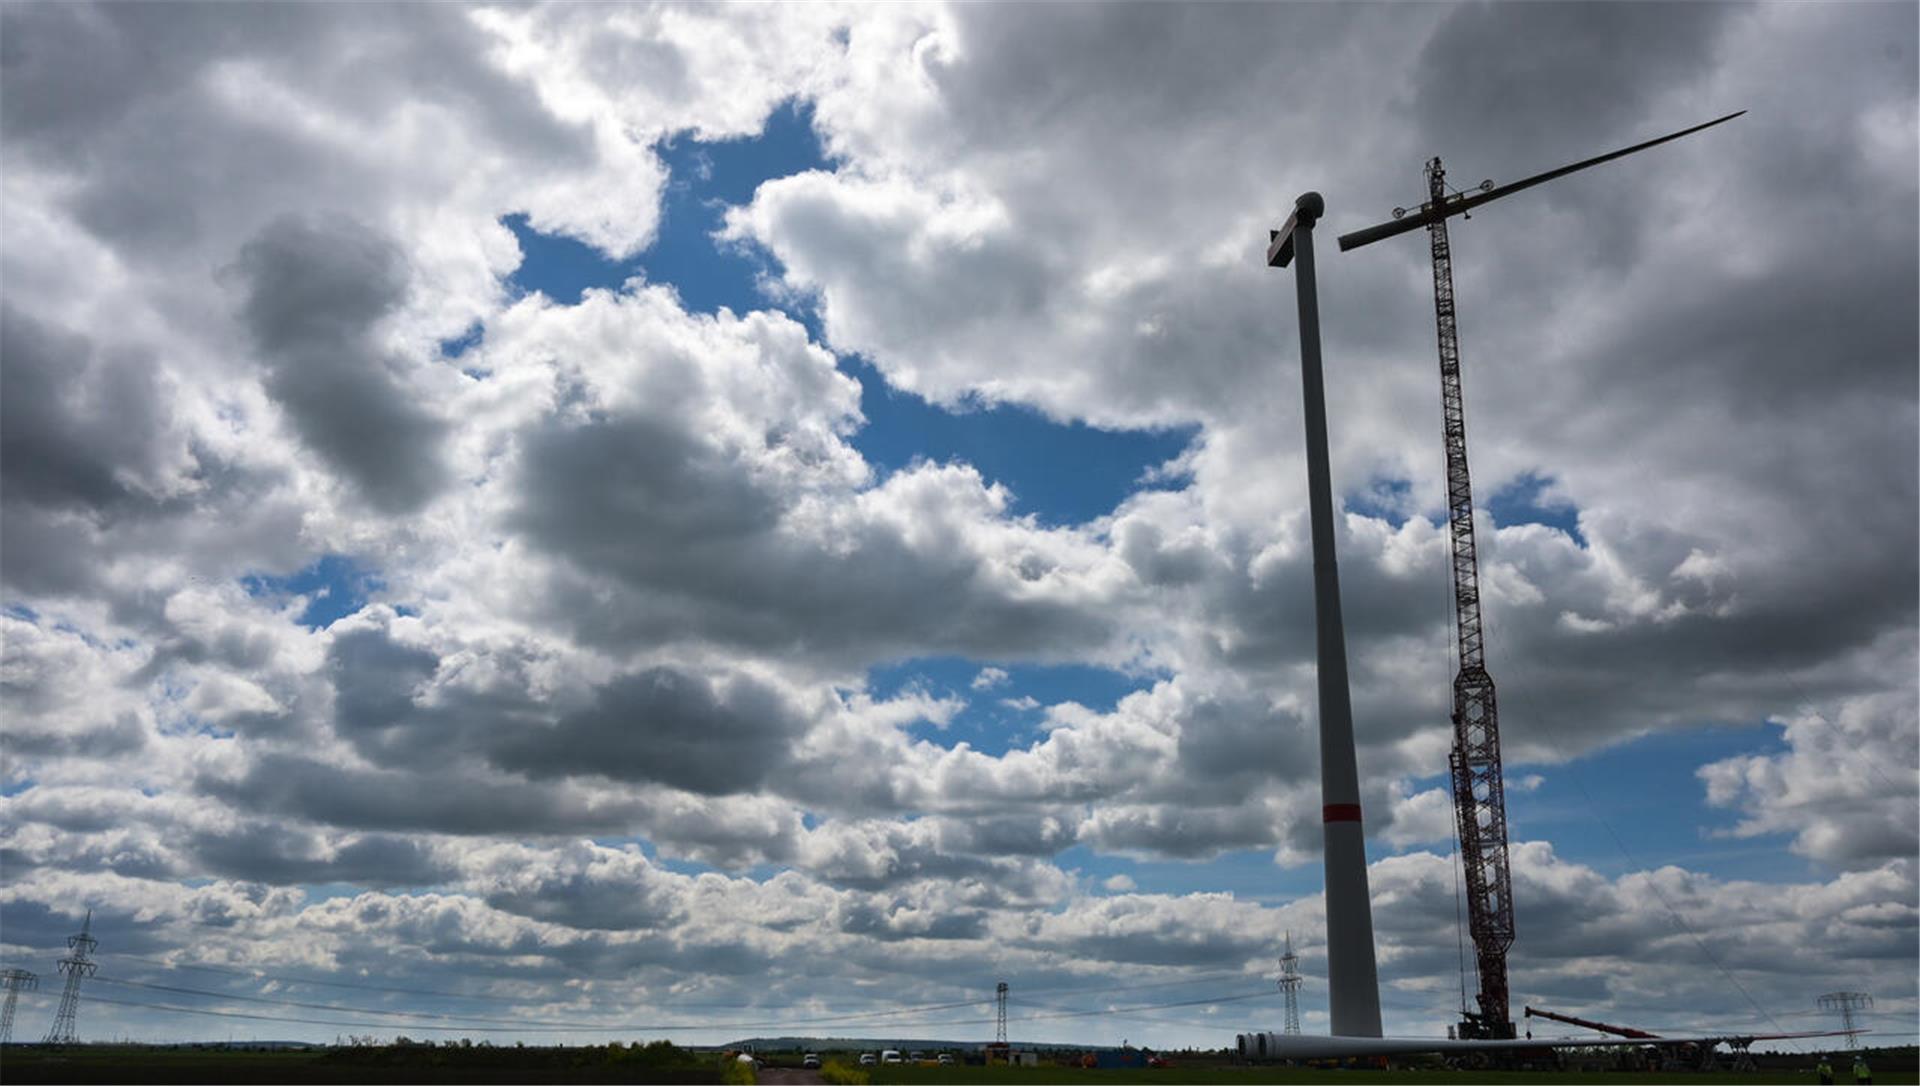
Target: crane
1480,806
1602,1027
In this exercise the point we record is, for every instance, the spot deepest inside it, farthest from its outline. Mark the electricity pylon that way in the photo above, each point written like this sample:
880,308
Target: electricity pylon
1846,1003
14,981
76,965
1290,985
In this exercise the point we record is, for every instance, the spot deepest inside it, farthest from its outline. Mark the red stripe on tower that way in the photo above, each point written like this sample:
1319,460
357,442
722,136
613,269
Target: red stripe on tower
1340,812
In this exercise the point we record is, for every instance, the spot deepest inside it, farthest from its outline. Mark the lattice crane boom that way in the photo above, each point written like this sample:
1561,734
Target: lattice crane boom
1480,806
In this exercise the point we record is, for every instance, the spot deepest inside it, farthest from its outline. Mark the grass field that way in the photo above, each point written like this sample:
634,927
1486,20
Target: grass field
664,1064
1235,1076
139,1063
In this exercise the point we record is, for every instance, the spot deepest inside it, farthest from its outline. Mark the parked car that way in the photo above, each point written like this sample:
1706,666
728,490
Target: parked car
810,1061
946,1058
891,1055
866,1059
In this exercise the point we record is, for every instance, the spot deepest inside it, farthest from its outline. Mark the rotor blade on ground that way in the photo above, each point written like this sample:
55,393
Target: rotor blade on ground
1309,1047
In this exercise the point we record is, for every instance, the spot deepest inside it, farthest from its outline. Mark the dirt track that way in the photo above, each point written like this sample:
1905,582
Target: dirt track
787,1076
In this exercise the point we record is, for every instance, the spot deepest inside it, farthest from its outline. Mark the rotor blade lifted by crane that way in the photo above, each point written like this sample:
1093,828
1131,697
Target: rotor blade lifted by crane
1480,806
1461,203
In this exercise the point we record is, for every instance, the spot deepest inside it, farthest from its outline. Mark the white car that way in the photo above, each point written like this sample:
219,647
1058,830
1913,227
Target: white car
811,1061
866,1059
891,1055
946,1059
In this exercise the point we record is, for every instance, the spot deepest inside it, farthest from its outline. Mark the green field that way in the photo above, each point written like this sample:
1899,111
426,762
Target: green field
665,1064
140,1063
1232,1076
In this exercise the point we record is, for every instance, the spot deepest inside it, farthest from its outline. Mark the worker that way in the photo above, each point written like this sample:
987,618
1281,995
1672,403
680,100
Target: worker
1825,1070
1862,1074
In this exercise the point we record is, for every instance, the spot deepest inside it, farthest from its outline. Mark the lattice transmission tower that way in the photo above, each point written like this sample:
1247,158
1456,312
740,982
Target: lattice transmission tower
1845,1003
1290,985
76,965
14,981
1000,1014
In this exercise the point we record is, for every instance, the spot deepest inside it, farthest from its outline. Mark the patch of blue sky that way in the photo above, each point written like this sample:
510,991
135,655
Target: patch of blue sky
1525,501
1638,805
459,345
336,585
195,724
9,789
1059,474
1062,474
703,180
22,612
1384,499
1006,715
328,891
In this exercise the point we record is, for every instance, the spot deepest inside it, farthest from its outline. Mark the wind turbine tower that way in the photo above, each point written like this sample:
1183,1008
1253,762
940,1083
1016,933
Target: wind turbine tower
1480,805
1290,985
76,965
14,981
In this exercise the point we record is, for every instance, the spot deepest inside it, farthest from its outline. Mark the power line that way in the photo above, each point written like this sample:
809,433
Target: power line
1136,1017
256,974
539,1025
1200,978
261,975
175,1009
1147,1007
641,1027
179,990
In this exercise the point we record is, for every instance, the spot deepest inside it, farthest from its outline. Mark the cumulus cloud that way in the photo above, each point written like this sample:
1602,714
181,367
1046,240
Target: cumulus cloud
1841,788
313,293
987,678
662,725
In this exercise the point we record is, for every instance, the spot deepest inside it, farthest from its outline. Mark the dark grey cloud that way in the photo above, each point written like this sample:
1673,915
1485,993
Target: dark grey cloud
282,855
1222,741
1191,830
1199,934
44,927
876,922
374,679
125,84
585,900
695,535
666,726
396,800
1495,77
313,292
77,428
99,740
90,454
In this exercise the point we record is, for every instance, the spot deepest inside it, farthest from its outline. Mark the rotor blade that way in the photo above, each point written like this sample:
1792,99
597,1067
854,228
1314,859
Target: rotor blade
1467,203
1298,1046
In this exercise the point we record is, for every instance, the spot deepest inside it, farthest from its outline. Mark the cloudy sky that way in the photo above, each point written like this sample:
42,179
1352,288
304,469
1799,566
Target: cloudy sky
748,517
